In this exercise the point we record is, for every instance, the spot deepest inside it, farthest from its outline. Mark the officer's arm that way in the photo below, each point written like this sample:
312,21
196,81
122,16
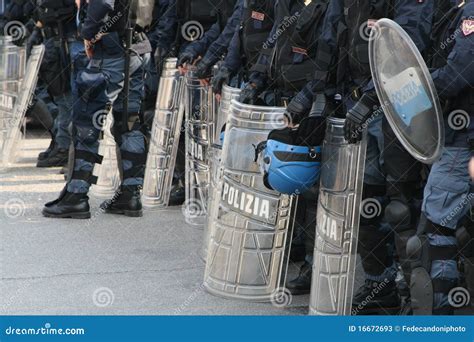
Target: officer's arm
219,47
165,31
458,74
416,17
233,60
97,11
327,52
199,47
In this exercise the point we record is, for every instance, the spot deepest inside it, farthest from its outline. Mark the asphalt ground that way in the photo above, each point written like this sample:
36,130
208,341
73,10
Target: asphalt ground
108,265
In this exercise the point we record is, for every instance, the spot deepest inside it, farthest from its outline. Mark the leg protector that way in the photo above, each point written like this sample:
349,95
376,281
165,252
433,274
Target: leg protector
132,147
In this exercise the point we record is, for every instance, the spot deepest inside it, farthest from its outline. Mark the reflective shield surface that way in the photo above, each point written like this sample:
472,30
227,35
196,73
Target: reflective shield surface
201,117
406,91
13,105
108,174
165,135
251,225
337,223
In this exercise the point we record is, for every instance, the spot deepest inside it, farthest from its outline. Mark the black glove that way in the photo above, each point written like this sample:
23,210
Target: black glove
311,131
186,58
295,111
34,39
249,94
220,78
358,115
204,69
159,57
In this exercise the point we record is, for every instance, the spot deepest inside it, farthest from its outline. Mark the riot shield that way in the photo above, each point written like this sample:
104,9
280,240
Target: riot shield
337,223
165,135
14,108
201,112
108,174
251,225
406,91
228,94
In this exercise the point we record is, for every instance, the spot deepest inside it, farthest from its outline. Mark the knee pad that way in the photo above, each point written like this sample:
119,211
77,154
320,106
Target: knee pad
398,214
86,135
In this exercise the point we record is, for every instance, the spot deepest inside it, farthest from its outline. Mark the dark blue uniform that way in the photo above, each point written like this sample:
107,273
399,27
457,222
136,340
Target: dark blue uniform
100,89
343,76
448,193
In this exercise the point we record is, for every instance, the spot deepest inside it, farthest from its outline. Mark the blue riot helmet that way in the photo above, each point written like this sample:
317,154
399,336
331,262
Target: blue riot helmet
291,157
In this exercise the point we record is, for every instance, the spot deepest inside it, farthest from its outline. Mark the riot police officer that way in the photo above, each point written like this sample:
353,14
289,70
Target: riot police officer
255,26
107,31
200,24
293,41
445,232
64,58
343,76
161,34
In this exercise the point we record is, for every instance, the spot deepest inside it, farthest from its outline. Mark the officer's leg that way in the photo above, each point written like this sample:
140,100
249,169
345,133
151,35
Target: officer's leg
433,250
98,87
59,154
375,245
465,238
306,221
131,142
403,186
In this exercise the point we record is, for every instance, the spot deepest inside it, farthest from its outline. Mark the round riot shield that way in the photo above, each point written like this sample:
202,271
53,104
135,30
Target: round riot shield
406,91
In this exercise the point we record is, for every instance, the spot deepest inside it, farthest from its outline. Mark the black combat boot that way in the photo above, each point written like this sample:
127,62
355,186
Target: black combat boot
57,157
126,201
376,298
43,155
302,284
68,205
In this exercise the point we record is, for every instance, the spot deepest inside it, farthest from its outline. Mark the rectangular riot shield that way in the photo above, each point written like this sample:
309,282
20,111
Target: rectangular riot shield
165,135
337,222
200,121
14,108
228,94
247,254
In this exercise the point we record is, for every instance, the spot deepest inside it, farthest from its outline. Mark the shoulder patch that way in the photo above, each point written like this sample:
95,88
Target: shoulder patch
468,27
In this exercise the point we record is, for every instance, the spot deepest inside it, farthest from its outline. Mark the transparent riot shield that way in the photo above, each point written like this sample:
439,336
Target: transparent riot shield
228,94
247,253
10,128
108,174
165,135
406,91
337,223
200,126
